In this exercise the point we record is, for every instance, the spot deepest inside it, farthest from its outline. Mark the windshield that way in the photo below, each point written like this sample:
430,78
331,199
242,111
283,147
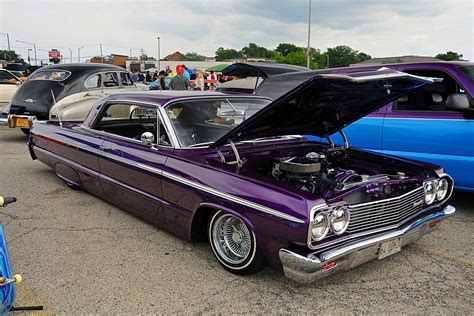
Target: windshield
202,122
54,75
468,71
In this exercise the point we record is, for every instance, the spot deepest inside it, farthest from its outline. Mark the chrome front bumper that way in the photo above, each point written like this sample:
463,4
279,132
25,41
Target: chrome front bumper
3,121
306,269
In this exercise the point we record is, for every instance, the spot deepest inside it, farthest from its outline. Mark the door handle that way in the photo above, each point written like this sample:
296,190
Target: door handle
103,148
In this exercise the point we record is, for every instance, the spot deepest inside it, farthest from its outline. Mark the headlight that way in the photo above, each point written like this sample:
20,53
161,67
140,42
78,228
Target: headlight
319,226
339,220
430,192
442,189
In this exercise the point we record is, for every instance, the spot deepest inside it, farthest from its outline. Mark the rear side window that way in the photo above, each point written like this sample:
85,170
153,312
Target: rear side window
125,78
93,82
54,75
6,78
111,79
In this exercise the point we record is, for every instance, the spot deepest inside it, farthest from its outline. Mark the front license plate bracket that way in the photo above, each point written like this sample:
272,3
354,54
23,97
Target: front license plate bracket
389,248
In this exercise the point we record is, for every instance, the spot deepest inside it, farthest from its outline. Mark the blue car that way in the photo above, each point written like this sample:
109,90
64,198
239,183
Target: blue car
434,124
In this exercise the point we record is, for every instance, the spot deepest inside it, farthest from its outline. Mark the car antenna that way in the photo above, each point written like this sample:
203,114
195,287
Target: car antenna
57,110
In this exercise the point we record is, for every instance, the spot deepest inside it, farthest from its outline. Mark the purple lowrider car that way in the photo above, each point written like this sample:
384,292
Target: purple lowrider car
199,167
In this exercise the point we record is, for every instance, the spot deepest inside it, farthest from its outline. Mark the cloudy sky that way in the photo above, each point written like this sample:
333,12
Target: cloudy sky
377,27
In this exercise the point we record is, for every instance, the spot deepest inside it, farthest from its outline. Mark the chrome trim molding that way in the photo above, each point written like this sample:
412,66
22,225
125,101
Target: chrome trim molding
176,178
306,269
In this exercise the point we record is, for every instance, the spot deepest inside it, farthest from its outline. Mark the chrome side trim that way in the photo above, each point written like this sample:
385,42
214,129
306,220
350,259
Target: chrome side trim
182,180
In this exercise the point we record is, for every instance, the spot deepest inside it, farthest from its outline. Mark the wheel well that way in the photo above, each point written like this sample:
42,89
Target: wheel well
199,225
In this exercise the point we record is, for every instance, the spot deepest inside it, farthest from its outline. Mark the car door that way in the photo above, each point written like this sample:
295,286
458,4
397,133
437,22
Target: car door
422,126
129,170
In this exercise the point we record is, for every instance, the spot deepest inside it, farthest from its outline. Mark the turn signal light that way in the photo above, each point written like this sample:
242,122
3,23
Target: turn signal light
329,265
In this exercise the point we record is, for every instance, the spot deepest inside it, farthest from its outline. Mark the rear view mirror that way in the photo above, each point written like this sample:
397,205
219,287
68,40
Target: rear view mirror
147,139
232,113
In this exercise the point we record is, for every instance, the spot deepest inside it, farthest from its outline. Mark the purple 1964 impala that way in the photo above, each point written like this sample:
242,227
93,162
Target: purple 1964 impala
200,167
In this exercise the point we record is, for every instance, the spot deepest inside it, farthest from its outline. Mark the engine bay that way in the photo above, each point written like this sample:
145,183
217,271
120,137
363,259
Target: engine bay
332,172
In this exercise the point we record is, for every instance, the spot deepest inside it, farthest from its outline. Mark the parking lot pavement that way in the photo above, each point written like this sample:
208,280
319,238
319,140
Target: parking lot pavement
78,253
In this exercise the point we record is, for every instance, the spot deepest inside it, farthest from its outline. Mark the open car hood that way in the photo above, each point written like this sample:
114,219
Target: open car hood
324,104
260,69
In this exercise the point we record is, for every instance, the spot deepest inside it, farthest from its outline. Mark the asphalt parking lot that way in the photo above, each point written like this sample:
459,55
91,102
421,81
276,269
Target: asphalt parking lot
78,253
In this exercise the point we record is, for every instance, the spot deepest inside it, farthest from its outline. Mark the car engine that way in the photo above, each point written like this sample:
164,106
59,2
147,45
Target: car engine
323,173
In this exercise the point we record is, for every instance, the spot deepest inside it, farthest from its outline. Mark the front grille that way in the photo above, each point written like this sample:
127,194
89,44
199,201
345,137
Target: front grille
386,213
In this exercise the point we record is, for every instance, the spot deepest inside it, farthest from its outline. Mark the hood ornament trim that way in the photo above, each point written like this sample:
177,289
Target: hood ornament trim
30,101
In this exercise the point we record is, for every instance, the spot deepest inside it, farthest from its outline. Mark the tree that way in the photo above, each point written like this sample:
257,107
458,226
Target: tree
449,56
192,56
297,57
223,54
286,48
253,50
12,56
343,56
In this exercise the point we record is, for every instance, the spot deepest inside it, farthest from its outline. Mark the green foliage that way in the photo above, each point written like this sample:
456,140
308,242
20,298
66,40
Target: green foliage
449,56
253,50
223,54
343,56
192,56
286,48
11,56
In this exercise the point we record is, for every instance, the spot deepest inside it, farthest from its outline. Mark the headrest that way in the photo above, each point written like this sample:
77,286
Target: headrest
403,99
457,101
436,97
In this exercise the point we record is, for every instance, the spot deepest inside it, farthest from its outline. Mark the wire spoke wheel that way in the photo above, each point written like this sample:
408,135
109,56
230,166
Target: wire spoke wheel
231,239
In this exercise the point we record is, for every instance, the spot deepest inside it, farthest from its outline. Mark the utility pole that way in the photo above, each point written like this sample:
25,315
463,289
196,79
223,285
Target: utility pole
159,57
130,55
308,52
8,41
29,59
34,46
101,56
70,52
79,54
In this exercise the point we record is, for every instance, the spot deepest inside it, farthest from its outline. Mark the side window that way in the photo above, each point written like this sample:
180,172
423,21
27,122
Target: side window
131,121
125,78
93,82
435,97
110,80
6,78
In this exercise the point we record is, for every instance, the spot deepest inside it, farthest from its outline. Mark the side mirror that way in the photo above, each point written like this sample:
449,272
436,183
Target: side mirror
147,139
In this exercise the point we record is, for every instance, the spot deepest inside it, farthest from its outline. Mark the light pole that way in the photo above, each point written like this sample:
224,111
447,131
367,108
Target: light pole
8,42
308,52
159,58
70,52
79,54
34,47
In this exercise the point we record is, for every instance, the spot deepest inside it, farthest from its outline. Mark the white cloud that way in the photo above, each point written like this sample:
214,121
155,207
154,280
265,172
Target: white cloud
379,28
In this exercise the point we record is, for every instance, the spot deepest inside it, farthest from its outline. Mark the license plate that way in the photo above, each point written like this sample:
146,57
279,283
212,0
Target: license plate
388,248
21,122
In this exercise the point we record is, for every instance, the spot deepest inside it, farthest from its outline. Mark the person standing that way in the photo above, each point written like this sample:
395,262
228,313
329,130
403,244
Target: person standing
134,76
212,76
186,73
141,77
179,82
199,83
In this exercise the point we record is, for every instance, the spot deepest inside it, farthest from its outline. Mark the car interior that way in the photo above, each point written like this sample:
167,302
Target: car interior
442,96
131,121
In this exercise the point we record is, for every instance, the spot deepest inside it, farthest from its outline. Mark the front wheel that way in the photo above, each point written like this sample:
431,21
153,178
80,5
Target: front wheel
234,244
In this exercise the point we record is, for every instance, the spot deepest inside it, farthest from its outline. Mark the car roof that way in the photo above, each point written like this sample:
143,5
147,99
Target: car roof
83,67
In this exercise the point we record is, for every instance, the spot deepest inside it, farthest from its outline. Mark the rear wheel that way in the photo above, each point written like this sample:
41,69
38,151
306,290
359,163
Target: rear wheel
234,244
